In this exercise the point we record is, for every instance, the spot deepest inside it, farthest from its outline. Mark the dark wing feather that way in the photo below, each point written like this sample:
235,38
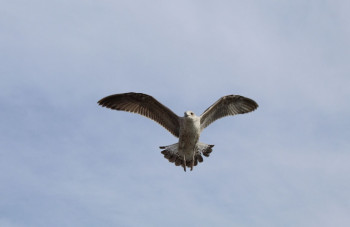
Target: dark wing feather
225,106
145,105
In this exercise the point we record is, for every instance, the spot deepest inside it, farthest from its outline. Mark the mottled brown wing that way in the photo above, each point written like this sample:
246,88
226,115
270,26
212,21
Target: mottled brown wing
225,106
145,105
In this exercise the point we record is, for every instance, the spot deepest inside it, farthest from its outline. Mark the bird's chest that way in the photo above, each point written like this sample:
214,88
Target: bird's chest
189,135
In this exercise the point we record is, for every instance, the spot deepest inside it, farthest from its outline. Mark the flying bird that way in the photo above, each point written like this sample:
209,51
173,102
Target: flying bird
188,151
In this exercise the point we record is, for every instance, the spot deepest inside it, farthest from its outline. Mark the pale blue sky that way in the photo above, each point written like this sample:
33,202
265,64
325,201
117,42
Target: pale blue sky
65,161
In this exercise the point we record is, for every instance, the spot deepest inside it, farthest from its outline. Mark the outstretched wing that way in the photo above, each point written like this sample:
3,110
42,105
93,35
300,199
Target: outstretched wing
145,105
225,106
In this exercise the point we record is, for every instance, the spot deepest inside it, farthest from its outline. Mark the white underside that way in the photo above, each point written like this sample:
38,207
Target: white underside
189,136
188,151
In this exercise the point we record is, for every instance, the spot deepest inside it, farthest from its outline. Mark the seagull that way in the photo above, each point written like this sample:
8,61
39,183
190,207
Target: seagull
188,151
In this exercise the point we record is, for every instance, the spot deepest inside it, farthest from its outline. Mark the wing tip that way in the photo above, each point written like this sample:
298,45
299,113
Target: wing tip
250,104
102,103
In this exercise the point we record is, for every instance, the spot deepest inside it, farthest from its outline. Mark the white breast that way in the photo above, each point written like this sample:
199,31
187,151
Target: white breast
189,135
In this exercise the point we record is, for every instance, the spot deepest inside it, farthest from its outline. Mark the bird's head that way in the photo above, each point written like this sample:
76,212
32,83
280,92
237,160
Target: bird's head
189,114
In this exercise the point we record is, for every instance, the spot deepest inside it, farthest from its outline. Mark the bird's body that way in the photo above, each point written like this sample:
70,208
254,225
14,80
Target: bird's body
188,151
189,135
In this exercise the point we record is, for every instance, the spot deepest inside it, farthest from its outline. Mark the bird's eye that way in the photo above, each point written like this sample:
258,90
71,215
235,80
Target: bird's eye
191,113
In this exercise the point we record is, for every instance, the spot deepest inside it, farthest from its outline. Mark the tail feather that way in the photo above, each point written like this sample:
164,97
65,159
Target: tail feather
171,153
205,149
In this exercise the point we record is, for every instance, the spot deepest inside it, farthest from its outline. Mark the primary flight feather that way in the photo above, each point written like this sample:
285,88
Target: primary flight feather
188,151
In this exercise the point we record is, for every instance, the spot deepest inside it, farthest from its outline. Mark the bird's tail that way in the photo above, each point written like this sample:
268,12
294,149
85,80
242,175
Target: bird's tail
172,153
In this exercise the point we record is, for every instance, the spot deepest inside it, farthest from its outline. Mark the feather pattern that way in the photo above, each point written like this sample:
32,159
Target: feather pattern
225,106
144,105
